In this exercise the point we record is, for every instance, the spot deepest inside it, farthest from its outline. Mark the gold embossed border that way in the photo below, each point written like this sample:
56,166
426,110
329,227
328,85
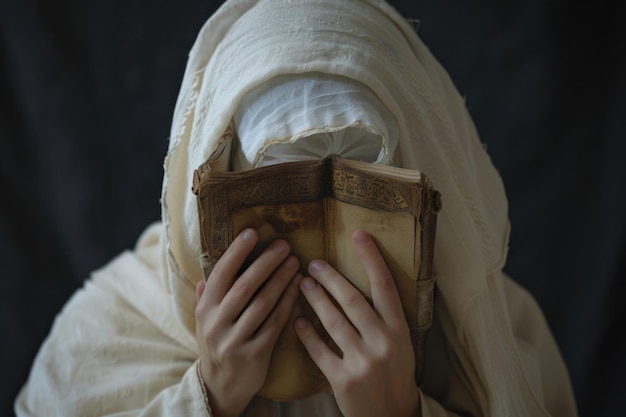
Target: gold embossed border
376,193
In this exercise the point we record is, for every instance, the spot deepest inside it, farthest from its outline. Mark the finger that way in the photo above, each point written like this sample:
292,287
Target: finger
334,321
385,296
350,299
266,299
225,270
246,286
275,323
199,289
323,356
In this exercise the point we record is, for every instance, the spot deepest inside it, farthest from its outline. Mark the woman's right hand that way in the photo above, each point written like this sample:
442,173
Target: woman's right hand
239,319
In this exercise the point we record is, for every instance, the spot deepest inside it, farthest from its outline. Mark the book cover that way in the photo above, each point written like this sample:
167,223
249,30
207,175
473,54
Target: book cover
316,206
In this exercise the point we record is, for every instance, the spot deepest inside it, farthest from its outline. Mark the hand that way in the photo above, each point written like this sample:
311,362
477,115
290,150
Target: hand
239,319
376,375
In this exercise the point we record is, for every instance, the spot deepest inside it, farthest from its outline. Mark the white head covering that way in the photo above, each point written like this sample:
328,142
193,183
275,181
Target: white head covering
248,43
339,116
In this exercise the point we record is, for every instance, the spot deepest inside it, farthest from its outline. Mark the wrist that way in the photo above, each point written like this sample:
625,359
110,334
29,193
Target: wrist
217,405
414,407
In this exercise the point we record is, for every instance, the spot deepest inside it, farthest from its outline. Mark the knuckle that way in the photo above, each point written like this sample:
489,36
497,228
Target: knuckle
241,289
316,352
261,305
385,351
250,355
218,270
202,312
350,382
223,352
354,299
386,281
199,312
336,323
208,332
367,370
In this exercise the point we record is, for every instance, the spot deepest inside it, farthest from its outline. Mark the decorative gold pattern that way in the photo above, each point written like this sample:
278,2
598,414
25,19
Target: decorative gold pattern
297,201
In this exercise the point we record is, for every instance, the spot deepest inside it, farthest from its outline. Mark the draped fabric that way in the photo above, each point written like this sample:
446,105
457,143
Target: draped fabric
341,116
493,354
248,43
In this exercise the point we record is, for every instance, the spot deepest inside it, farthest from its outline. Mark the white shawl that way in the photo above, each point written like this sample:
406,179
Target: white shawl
502,359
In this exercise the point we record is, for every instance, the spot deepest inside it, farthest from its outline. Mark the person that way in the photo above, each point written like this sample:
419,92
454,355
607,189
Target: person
299,79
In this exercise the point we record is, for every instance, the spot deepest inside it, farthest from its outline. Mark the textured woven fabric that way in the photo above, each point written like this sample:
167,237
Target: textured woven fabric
126,343
248,43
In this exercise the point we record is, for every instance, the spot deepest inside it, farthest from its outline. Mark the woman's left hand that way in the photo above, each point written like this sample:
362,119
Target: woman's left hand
376,375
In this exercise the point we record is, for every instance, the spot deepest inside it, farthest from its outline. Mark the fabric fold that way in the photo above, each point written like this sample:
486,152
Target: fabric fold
126,344
310,116
250,43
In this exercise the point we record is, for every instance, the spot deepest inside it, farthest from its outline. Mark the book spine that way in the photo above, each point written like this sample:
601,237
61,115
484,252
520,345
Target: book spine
431,200
428,220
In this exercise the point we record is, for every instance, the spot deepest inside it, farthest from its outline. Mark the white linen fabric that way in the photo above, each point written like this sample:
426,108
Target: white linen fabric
125,344
341,117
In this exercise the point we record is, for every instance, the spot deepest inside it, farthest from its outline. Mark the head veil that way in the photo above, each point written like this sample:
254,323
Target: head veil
248,42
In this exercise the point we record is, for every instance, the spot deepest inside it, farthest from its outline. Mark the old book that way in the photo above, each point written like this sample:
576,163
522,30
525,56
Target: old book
316,206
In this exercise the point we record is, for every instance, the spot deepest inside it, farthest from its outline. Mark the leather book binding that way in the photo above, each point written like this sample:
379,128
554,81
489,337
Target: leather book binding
316,206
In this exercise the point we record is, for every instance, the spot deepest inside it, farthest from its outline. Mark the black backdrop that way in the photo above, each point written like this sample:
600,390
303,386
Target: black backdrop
88,89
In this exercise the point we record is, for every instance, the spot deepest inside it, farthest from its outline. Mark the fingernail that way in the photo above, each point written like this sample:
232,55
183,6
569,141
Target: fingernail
309,283
317,265
280,246
301,323
247,234
361,236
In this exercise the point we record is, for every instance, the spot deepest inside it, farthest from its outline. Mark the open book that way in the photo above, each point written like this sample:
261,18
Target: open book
316,206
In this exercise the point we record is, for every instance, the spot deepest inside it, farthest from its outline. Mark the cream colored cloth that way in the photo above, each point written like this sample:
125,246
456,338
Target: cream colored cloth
125,344
117,349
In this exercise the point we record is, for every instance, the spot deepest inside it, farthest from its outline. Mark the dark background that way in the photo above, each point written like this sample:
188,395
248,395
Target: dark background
88,89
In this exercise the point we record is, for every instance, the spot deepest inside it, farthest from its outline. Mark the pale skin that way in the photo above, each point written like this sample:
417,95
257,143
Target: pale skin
237,329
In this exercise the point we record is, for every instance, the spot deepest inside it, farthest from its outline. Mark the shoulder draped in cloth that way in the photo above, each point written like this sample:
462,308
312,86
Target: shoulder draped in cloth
125,343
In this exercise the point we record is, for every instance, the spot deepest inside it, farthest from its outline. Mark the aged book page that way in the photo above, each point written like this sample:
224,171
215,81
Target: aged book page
316,206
